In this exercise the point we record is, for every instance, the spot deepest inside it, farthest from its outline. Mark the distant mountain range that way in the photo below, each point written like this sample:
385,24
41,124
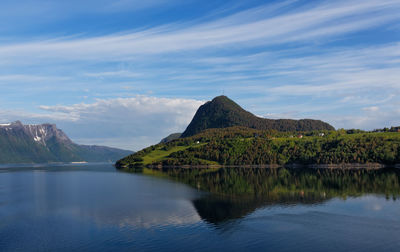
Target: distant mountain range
45,143
222,112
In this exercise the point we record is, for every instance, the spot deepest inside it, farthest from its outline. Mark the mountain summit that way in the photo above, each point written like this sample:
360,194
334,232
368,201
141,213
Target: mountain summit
222,112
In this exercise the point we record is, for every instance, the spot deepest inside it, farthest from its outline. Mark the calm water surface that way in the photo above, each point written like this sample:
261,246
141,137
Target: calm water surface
96,208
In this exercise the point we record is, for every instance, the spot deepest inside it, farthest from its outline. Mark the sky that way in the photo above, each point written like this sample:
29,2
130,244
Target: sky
126,73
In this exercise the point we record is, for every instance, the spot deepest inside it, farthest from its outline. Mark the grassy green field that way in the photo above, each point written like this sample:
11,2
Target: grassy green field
159,154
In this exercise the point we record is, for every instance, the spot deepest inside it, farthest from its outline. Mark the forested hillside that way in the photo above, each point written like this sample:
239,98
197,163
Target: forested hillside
244,146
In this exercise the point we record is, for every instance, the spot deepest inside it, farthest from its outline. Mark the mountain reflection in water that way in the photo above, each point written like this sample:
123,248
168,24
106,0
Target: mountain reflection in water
237,192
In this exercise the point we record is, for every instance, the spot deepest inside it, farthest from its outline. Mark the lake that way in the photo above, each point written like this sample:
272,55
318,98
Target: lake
94,207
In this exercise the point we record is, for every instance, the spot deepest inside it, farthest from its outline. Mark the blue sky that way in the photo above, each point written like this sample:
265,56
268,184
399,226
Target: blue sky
127,73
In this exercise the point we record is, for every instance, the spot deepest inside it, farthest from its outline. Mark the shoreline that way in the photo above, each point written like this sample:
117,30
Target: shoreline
39,165
345,166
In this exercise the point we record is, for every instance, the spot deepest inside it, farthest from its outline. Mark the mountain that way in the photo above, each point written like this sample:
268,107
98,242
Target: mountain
171,137
222,112
45,143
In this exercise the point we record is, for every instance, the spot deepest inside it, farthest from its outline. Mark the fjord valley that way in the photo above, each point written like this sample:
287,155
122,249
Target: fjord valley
44,143
222,133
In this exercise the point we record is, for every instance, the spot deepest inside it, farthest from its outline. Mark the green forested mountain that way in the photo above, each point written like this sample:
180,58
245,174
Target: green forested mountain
222,133
45,143
222,112
245,146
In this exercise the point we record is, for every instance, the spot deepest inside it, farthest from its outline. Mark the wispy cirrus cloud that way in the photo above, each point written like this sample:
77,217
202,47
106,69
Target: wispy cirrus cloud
121,73
29,78
320,21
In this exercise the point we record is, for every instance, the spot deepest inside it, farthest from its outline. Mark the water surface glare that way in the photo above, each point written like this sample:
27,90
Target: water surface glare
96,208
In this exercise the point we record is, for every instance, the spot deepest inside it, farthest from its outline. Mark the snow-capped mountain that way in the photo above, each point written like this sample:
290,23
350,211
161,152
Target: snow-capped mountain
40,133
40,143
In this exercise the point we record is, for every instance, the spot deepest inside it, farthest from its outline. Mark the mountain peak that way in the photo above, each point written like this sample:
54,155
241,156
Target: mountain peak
222,112
222,99
225,102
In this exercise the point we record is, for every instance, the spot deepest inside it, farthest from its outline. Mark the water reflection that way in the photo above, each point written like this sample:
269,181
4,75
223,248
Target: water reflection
96,208
237,192
106,197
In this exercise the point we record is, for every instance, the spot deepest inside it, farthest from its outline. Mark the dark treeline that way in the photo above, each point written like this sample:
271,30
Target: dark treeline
391,129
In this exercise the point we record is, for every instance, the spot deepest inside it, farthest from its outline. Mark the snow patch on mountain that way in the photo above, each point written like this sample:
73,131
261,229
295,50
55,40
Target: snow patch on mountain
40,133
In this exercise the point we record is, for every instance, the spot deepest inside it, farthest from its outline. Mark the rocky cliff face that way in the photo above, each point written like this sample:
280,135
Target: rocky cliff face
40,133
44,143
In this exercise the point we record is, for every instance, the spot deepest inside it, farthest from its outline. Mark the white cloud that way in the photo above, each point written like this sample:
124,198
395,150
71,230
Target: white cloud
371,109
10,115
131,123
368,118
